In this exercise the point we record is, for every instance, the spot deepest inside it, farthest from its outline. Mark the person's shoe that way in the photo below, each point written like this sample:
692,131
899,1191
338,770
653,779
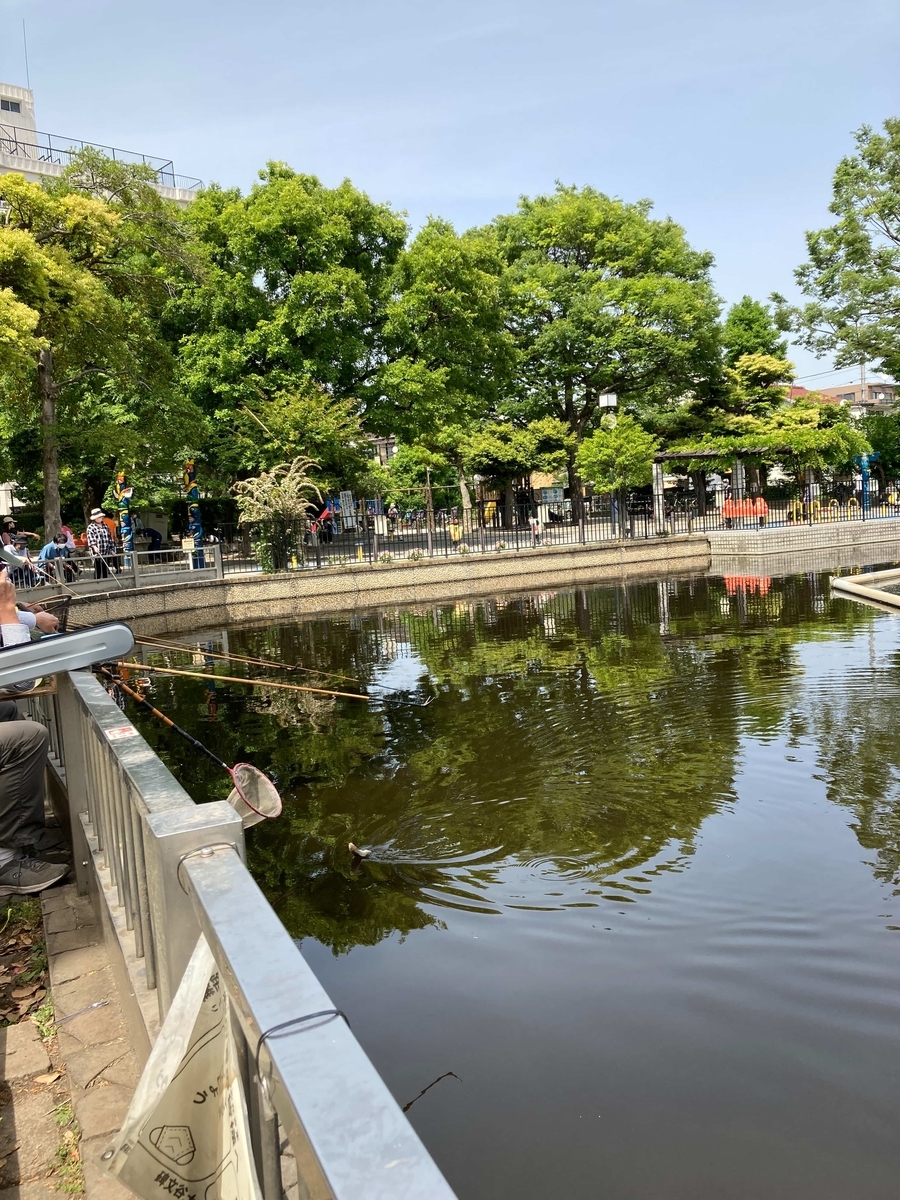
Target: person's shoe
52,854
24,876
52,848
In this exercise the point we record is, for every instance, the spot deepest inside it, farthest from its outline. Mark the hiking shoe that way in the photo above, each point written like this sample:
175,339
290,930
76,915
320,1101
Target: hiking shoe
23,876
51,854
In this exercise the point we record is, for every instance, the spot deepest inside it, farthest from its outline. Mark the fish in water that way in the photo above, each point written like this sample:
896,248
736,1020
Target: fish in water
357,853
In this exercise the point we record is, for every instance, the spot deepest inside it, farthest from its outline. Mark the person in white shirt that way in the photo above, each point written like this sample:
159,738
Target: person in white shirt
23,762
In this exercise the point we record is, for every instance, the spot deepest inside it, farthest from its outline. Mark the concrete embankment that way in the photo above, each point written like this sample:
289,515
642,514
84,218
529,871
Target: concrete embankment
872,541
345,588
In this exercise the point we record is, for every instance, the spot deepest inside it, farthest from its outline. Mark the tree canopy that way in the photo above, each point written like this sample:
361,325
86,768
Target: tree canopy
602,298
750,328
85,362
852,274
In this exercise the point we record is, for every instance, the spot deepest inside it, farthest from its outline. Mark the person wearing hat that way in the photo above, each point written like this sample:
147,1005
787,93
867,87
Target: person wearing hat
100,544
10,532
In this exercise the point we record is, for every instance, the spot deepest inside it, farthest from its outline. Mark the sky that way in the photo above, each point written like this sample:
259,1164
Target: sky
730,117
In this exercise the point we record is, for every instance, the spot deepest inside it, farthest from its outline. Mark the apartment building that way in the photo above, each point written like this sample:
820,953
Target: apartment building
39,156
875,397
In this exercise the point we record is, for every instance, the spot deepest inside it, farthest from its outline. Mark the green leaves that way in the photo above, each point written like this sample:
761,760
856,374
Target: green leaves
450,357
602,298
618,455
749,328
852,276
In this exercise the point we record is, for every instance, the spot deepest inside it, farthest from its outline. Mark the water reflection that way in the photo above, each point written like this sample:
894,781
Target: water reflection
575,745
647,843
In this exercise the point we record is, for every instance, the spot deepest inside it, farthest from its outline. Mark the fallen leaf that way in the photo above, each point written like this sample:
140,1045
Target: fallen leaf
40,993
51,1078
20,992
27,941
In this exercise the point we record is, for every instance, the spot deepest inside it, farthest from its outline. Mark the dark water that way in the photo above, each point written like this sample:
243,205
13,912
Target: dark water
634,881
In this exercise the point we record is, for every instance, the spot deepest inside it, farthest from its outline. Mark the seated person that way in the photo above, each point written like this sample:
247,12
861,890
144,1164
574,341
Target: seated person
23,761
58,549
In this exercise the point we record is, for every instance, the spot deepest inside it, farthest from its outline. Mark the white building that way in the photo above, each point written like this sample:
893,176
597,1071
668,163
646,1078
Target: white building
39,156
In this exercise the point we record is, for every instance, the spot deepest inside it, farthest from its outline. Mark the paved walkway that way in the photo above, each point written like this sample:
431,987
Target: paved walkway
86,1070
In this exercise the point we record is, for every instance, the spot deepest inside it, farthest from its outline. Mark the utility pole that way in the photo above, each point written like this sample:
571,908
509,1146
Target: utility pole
862,382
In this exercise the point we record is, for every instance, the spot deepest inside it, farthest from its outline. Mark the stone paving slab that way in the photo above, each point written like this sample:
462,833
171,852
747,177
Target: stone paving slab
28,1134
35,1189
22,1053
99,1061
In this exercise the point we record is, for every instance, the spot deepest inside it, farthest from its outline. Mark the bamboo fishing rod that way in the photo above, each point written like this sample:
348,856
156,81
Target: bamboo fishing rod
152,643
270,683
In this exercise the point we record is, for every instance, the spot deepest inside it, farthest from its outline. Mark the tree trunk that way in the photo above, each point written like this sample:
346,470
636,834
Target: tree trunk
466,499
509,505
49,447
700,492
574,486
429,502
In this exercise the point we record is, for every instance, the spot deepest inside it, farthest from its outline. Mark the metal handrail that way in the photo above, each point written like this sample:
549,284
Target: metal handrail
59,150
173,869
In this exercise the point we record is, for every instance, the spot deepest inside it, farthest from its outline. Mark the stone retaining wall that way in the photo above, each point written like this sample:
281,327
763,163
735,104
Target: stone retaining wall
880,535
342,589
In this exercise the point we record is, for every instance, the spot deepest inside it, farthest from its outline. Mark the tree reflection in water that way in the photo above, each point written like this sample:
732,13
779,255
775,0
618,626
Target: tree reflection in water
577,741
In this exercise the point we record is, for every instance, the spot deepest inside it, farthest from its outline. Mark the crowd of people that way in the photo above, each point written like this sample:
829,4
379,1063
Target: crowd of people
57,559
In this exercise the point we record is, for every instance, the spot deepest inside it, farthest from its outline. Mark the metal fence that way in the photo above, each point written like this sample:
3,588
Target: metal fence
171,870
371,533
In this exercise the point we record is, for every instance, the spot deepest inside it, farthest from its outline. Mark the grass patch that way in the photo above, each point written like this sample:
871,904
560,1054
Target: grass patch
68,1173
45,1017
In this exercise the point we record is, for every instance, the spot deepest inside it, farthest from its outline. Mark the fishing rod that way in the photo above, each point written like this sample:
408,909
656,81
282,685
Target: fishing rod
154,643
273,683
270,683
157,643
255,788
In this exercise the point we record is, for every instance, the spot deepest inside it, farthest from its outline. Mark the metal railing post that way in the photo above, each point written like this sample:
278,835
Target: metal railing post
168,837
70,719
217,560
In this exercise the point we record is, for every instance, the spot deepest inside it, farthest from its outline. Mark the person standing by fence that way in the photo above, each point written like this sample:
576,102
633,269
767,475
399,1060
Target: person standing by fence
100,544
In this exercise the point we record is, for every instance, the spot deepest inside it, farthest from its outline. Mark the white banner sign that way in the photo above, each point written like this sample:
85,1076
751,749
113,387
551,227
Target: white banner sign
186,1132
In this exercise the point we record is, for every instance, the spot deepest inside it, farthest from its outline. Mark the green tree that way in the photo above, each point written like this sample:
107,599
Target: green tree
289,318
618,455
449,357
756,384
882,430
852,276
506,452
85,365
603,298
750,328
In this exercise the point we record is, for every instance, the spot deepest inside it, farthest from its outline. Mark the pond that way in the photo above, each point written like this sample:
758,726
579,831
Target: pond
630,924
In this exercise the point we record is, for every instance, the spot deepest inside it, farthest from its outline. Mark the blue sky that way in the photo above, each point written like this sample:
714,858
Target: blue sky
730,117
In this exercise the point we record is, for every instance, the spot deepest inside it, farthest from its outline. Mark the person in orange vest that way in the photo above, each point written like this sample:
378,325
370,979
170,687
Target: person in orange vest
760,510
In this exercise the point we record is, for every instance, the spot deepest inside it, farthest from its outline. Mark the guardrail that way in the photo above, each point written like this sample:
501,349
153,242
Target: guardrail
170,869
140,568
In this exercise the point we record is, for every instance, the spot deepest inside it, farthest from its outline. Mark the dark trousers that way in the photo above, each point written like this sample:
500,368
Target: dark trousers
23,761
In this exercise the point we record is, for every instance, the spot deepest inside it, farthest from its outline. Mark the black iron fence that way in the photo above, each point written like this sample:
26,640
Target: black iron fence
371,532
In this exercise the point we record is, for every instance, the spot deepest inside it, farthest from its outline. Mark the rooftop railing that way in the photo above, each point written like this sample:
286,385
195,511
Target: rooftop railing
59,151
170,870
